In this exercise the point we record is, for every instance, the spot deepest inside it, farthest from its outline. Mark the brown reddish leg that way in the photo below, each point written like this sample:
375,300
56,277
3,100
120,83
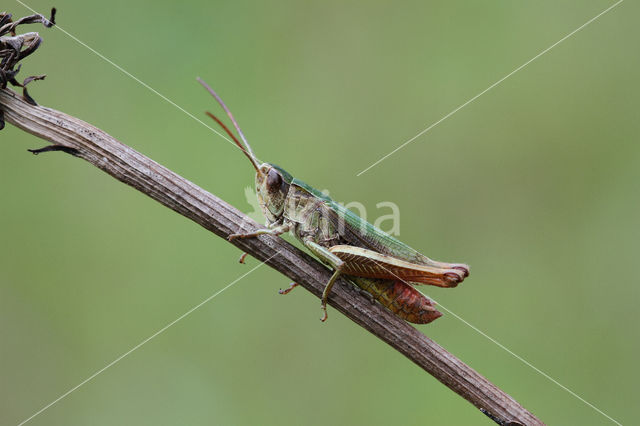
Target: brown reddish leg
288,290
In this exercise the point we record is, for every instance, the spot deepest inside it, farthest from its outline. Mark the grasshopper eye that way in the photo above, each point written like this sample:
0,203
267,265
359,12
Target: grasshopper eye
274,180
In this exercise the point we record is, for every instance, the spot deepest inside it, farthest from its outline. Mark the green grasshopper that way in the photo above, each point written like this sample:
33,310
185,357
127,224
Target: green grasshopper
376,262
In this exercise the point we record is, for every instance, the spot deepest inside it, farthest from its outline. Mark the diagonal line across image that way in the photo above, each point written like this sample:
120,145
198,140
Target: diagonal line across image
487,89
145,341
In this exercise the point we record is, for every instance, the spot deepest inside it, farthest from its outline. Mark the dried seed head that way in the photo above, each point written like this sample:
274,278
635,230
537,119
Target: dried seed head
14,48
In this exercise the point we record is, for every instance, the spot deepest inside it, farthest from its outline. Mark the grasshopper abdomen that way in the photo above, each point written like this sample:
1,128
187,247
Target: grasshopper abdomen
400,298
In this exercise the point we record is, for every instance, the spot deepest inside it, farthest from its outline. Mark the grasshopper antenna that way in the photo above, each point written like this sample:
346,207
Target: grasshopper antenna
247,150
226,129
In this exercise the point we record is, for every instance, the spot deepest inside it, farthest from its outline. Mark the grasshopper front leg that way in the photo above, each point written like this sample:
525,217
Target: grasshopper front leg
278,230
270,227
333,261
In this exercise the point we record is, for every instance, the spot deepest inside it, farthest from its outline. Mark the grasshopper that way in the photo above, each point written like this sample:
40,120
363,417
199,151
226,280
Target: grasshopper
378,263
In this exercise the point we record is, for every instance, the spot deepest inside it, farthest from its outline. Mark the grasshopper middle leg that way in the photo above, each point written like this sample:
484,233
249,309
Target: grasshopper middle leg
288,289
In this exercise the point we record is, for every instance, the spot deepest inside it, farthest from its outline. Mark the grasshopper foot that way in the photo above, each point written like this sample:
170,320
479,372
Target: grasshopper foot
324,312
288,290
242,258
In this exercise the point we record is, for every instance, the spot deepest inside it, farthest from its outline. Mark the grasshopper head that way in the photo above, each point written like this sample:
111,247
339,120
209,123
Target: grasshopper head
272,187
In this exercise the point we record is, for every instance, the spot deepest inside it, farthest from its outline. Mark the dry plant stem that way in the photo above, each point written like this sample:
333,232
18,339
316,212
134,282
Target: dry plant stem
125,164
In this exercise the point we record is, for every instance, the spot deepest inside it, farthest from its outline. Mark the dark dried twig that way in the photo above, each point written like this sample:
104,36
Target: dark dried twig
72,135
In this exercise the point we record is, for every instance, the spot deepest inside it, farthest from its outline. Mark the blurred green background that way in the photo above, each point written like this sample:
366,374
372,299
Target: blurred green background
535,185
